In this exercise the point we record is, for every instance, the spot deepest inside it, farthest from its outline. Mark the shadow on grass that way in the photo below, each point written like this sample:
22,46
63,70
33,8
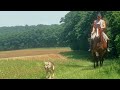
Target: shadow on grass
76,66
82,67
77,55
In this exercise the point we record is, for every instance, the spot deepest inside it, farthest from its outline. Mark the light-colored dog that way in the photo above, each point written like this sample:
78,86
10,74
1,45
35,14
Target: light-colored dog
49,68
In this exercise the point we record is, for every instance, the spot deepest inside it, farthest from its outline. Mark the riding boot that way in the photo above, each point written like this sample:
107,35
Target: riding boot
89,50
90,46
108,46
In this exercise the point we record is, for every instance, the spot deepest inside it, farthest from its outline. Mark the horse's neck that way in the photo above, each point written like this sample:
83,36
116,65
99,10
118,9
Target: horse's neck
98,32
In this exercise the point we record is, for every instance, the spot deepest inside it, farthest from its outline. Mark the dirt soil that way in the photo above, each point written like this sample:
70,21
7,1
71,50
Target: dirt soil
33,54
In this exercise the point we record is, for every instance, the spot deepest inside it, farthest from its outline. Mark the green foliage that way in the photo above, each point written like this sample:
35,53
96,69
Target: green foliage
113,18
78,24
19,37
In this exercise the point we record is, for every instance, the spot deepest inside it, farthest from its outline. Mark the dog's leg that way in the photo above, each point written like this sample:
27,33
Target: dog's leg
47,74
50,76
53,75
53,72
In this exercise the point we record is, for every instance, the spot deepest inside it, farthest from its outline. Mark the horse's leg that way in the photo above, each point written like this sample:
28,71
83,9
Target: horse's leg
97,62
94,59
94,64
97,58
101,61
102,58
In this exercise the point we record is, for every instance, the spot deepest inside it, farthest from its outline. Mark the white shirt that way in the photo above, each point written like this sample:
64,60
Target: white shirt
100,23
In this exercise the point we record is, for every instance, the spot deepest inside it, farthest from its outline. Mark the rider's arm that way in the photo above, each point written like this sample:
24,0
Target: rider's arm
93,29
103,26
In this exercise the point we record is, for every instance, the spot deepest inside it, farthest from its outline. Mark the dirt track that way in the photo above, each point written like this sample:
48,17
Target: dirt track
33,54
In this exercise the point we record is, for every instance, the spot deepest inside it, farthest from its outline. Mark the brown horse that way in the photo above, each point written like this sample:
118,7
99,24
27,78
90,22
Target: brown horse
99,47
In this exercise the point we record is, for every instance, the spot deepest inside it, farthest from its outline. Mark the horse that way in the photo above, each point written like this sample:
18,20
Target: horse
99,47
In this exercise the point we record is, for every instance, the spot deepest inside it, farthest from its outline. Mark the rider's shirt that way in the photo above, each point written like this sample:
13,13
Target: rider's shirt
101,23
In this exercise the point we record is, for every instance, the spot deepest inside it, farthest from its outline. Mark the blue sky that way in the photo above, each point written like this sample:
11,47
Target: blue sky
16,18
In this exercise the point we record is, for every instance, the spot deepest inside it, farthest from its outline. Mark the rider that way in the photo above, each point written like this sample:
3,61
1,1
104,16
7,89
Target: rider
100,23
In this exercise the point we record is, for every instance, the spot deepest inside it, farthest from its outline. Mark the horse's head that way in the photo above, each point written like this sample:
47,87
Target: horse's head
98,31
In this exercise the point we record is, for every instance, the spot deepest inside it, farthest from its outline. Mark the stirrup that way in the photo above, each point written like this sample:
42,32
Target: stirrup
89,50
108,49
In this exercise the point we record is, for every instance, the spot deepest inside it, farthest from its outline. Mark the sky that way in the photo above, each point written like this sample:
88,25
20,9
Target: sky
18,18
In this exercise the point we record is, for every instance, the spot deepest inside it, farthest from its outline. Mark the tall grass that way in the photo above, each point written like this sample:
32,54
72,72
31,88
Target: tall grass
78,65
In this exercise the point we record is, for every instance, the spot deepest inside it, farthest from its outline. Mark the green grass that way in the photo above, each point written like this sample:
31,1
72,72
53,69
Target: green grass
20,69
77,66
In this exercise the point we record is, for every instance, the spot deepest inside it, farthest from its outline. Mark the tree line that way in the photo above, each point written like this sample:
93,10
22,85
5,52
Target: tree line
20,37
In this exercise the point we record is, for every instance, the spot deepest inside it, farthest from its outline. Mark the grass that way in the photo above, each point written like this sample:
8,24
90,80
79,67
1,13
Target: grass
77,65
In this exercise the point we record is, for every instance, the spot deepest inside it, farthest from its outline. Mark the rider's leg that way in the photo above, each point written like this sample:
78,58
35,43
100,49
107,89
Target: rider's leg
108,46
90,45
107,40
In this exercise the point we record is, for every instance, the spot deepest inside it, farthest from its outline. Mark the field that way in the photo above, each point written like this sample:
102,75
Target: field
29,64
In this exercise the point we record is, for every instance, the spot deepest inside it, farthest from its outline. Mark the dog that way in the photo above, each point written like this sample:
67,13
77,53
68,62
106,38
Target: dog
49,68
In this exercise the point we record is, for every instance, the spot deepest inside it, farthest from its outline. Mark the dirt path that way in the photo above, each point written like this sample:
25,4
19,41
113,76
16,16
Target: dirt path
37,57
33,54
